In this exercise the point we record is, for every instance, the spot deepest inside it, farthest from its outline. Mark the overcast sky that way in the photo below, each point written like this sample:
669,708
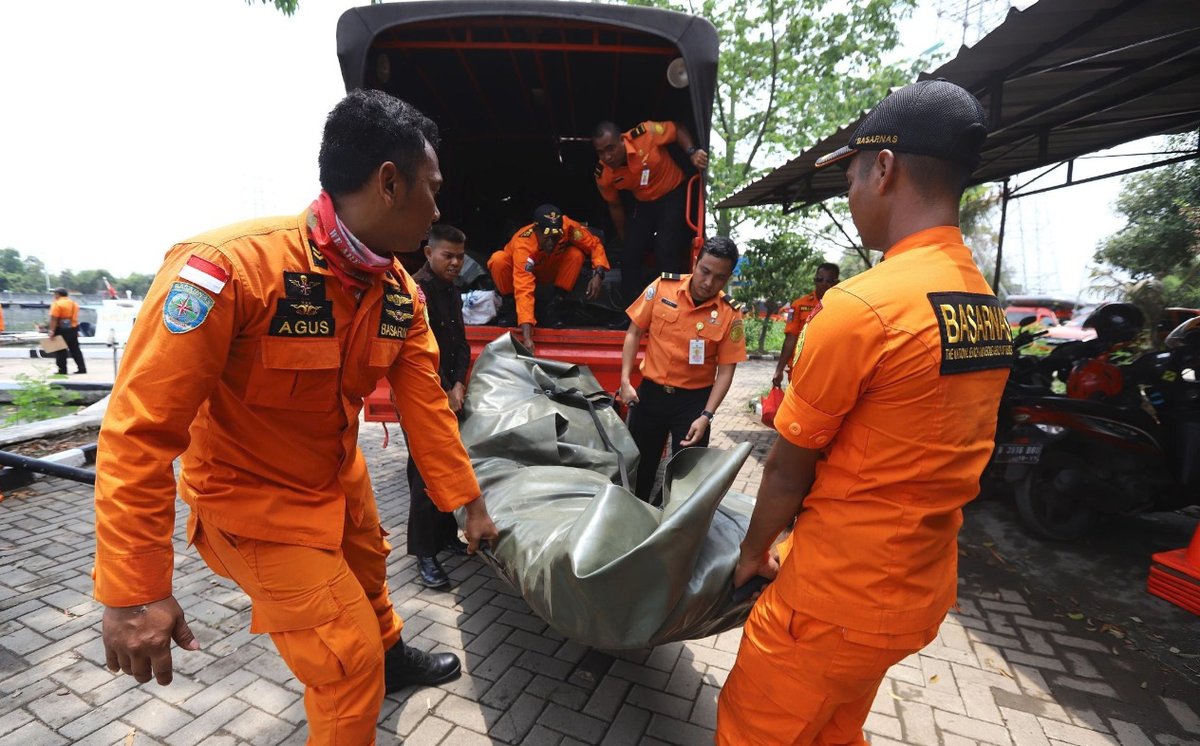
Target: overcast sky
129,125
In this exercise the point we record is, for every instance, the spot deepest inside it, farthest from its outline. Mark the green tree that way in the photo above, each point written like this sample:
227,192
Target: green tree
287,7
1161,238
790,72
21,274
136,283
772,272
32,277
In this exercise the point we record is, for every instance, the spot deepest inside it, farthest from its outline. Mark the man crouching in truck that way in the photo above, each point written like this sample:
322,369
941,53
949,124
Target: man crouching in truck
254,372
551,249
638,161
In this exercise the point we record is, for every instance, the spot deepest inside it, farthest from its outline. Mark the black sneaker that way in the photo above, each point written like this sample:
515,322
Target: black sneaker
431,574
404,665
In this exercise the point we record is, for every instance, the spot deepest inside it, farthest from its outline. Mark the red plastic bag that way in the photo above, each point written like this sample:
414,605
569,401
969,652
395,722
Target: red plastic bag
770,405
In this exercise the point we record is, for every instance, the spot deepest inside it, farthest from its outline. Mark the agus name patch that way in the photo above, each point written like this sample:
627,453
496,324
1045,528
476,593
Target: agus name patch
974,332
186,307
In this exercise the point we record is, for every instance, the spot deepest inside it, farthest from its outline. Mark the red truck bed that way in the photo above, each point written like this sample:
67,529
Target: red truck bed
598,349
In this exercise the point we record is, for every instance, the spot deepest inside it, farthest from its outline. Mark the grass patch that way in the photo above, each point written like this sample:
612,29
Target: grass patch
774,340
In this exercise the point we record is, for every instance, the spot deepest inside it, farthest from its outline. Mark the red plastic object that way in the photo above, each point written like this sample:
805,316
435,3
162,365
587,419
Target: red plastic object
599,349
1175,575
770,405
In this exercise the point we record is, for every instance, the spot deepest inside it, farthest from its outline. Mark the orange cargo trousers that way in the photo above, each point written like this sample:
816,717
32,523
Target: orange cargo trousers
561,268
799,680
328,613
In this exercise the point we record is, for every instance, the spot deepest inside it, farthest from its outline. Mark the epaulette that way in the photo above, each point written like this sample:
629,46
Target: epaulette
739,307
599,170
671,275
526,233
638,131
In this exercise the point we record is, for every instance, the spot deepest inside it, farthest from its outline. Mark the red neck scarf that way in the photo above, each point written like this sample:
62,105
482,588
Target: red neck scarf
355,266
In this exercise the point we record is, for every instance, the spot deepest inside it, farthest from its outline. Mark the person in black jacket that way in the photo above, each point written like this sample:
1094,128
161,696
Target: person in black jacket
429,530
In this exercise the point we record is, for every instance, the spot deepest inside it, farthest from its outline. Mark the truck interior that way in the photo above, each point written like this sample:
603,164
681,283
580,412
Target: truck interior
517,88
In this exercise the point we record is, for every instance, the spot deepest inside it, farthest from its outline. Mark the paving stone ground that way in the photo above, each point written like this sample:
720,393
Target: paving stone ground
1006,669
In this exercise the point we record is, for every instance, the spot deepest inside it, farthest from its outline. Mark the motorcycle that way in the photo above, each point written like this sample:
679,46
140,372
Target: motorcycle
1125,441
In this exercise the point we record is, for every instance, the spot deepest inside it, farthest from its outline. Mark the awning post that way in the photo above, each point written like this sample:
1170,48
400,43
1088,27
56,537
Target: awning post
1000,239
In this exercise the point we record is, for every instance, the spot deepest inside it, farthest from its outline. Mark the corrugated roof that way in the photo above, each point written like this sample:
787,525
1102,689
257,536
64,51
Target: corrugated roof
1059,79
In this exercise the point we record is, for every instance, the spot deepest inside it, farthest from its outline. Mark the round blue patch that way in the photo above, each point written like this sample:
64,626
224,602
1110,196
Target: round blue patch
186,308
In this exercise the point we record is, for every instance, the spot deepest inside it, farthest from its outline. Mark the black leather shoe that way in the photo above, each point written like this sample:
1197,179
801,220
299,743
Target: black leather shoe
431,573
404,665
456,546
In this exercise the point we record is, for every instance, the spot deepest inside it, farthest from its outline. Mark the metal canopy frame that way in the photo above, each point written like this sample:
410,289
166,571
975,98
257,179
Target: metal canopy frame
1059,80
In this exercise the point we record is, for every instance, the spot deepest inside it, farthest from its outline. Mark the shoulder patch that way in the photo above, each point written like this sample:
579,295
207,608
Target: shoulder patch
737,331
526,233
650,293
974,332
671,275
186,308
199,271
658,128
638,131
576,234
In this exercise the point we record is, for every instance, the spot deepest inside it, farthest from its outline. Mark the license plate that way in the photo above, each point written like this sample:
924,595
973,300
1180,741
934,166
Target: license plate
1018,453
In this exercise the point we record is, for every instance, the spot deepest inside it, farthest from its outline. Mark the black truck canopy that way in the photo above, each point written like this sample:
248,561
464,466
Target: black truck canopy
516,88
1059,79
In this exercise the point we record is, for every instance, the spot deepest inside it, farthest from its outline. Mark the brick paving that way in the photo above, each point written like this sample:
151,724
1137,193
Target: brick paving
1005,669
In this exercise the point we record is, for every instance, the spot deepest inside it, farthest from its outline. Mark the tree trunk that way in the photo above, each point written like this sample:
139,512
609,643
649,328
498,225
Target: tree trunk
766,325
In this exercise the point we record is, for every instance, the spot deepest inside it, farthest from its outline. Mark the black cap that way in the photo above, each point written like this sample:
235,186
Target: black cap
931,117
548,220
60,291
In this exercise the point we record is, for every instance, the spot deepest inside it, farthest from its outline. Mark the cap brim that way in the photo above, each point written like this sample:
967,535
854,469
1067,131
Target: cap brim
840,154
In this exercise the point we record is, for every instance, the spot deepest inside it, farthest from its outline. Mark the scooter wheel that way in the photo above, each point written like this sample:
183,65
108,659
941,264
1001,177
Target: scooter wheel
1049,511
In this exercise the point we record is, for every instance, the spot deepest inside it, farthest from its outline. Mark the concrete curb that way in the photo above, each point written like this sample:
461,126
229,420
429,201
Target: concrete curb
88,418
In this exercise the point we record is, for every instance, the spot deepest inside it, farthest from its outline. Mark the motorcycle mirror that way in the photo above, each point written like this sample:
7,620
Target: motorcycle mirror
1028,320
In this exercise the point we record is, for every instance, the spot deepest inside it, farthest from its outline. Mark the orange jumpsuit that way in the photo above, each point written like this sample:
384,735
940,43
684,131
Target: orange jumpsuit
64,312
256,383
898,382
801,308
673,321
521,264
649,171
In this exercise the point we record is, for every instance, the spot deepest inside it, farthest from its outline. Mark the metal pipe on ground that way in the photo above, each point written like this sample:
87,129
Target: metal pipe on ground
47,467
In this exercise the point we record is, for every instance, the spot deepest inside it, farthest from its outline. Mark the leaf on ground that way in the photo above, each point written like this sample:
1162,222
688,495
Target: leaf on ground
933,679
1075,615
1113,630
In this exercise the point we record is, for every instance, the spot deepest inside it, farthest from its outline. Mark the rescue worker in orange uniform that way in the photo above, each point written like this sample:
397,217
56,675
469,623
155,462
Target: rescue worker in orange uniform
825,277
638,161
551,249
64,322
886,428
266,337
697,338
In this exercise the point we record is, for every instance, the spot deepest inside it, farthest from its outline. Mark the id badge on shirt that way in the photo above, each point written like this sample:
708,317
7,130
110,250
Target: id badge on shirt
645,176
696,352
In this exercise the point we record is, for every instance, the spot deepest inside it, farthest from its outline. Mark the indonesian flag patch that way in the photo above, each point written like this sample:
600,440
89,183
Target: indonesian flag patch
204,273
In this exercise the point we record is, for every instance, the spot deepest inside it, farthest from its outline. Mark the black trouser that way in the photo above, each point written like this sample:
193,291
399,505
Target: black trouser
662,411
659,226
70,335
429,529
